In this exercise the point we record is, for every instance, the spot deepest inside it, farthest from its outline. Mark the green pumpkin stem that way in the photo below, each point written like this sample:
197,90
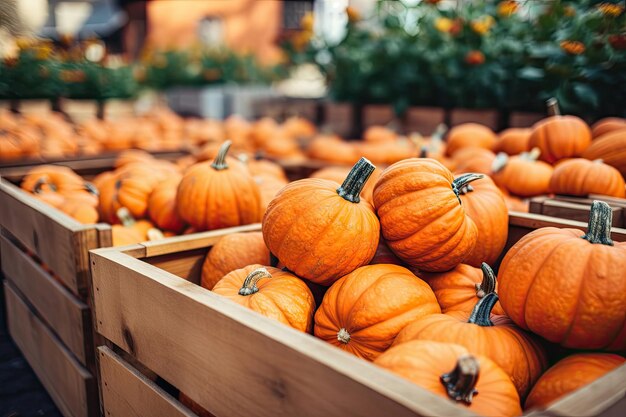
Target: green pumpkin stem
91,189
553,107
125,217
355,181
249,284
599,228
439,132
460,383
489,281
482,310
499,162
462,181
40,183
532,155
220,160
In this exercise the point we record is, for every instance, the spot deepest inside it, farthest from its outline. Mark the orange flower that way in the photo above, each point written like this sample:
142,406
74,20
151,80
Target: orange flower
443,24
507,8
353,14
306,23
482,25
475,58
301,39
611,9
457,27
573,47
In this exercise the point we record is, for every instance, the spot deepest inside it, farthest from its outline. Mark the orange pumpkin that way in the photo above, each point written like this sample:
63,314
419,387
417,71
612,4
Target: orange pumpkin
271,292
568,286
363,311
611,148
80,211
384,255
522,174
218,195
570,374
450,371
265,167
132,156
470,135
513,141
162,205
559,137
421,215
582,177
519,354
123,236
298,127
387,153
233,251
53,178
269,187
473,159
321,232
514,203
379,134
606,125
331,148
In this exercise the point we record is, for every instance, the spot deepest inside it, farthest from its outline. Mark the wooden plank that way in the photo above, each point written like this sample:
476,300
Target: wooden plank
127,393
234,362
577,212
187,265
68,317
72,388
533,221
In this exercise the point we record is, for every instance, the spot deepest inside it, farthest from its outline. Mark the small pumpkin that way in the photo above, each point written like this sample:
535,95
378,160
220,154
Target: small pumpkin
606,125
379,134
473,159
470,135
80,211
321,232
522,174
265,167
518,353
570,374
582,177
269,187
611,148
233,251
271,292
363,311
513,141
421,215
567,286
450,371
331,148
54,178
162,205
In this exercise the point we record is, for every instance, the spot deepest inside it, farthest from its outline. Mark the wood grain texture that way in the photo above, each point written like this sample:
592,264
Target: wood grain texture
572,210
128,393
62,311
72,388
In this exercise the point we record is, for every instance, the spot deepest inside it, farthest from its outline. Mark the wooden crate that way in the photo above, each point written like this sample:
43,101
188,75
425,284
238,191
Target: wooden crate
577,208
234,362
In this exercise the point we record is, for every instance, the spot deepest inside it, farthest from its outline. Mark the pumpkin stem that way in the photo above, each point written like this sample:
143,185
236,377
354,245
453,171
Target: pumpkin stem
489,281
91,189
461,381
355,181
40,183
125,217
249,284
482,310
533,155
343,336
599,228
466,189
553,107
155,234
439,132
499,162
462,181
220,160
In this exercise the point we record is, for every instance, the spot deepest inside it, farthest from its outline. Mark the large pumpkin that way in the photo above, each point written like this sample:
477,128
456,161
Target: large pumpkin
233,251
611,148
522,174
513,141
321,232
570,374
217,195
450,371
568,286
606,125
559,137
421,214
162,205
363,312
470,135
271,292
518,353
582,177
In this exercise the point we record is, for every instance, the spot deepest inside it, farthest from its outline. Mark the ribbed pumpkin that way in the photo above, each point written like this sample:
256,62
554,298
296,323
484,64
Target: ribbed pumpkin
421,214
470,135
269,187
559,137
338,174
582,177
379,134
514,203
233,251
450,371
54,178
568,286
522,174
162,205
611,148
265,167
363,312
461,288
606,125
570,374
332,149
217,195
77,209
478,160
513,141
387,153
271,292
518,353
485,205
321,232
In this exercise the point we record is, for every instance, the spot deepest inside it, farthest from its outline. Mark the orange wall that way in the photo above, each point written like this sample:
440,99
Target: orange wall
249,25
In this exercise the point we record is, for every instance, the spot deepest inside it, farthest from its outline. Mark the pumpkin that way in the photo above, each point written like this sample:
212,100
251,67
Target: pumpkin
513,141
53,178
606,125
421,215
265,167
568,286
123,236
298,127
233,251
379,134
518,353
450,371
162,205
321,232
387,153
582,177
522,174
611,148
269,187
470,135
485,205
559,137
384,255
570,374
473,159
271,292
217,195
461,288
363,311
79,210
338,174
331,148
281,145
514,203
10,146
132,156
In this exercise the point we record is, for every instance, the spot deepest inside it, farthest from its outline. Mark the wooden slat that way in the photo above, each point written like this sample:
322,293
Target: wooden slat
234,362
72,387
572,211
68,317
187,265
127,393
